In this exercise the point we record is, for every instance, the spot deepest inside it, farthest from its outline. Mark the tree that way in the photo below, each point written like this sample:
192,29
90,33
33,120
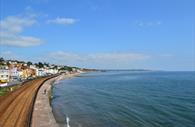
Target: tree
29,63
46,64
67,68
2,61
40,65
8,64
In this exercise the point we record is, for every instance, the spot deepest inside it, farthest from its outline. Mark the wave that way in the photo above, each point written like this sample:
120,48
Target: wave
67,121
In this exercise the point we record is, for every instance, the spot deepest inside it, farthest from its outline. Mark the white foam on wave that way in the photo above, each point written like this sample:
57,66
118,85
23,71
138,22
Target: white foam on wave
67,121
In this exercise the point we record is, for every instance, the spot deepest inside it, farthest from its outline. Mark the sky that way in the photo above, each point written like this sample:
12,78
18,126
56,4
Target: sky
102,34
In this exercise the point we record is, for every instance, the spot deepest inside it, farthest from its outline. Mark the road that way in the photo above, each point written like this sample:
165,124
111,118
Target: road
16,107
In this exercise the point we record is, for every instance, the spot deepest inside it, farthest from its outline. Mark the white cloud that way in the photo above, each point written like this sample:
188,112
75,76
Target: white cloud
10,55
11,28
99,56
62,21
19,41
16,24
99,60
118,56
167,55
60,55
6,53
148,23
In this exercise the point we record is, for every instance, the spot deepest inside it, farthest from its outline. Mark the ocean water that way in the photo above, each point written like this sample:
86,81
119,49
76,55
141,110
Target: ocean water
126,99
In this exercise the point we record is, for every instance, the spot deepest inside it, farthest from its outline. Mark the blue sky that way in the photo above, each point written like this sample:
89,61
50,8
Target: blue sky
112,34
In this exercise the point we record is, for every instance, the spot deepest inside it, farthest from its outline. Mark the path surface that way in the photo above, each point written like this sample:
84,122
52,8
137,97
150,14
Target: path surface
16,107
42,114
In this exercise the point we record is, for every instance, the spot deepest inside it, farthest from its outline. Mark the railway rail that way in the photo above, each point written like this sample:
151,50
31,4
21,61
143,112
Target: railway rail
16,107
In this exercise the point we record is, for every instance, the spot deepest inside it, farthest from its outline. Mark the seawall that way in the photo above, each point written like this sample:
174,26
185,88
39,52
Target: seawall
42,113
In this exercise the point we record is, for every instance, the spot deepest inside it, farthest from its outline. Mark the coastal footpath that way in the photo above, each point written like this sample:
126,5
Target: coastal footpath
42,112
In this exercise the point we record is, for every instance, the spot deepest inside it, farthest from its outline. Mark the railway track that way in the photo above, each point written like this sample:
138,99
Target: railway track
16,107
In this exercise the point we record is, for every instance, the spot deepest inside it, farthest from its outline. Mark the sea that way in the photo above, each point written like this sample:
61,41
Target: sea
126,99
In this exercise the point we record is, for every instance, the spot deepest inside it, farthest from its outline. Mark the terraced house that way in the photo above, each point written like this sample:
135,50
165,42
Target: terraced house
4,74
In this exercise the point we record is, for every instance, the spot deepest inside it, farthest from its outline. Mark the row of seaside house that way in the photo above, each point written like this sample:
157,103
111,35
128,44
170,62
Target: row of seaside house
21,71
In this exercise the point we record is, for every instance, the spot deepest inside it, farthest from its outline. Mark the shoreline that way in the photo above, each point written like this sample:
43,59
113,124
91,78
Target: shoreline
42,115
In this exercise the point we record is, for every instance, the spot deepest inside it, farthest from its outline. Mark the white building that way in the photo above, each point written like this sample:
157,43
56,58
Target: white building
4,74
14,74
51,71
40,72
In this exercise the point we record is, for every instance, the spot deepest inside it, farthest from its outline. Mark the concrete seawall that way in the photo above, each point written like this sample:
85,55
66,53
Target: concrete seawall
42,113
